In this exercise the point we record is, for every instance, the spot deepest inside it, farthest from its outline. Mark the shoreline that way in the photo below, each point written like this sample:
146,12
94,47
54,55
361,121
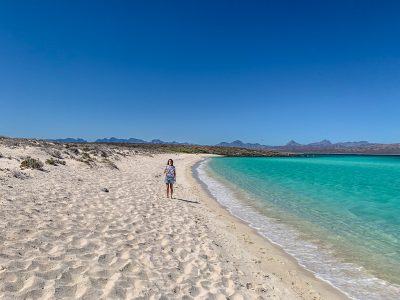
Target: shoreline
103,228
325,264
324,288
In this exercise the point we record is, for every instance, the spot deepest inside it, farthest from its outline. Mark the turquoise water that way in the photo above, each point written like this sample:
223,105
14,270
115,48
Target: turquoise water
338,215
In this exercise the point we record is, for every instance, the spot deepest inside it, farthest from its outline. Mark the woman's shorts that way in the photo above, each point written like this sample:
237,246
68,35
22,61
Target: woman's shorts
169,180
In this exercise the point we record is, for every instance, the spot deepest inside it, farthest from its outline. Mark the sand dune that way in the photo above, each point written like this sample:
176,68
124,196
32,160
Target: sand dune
63,236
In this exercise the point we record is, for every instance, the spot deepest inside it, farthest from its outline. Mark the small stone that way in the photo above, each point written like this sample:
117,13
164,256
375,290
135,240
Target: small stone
105,190
248,285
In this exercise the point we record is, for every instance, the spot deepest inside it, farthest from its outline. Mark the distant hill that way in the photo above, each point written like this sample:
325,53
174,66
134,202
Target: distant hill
240,144
168,143
324,146
121,141
114,140
137,141
292,144
68,140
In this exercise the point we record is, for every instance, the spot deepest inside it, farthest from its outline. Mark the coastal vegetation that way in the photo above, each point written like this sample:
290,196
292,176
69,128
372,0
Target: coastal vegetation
31,163
55,162
193,149
86,152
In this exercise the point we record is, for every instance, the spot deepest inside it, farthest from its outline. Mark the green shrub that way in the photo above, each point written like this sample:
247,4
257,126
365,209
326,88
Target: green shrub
75,151
86,155
31,163
87,159
55,162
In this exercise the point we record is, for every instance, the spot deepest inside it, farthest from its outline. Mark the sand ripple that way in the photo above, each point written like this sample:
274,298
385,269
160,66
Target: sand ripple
61,236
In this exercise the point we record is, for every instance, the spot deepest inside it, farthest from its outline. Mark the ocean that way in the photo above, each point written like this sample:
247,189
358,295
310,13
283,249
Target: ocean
338,215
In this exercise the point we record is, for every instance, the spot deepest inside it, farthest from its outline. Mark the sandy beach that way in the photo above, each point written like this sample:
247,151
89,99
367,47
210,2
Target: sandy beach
94,223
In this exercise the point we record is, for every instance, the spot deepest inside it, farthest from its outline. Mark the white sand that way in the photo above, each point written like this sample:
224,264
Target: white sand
61,236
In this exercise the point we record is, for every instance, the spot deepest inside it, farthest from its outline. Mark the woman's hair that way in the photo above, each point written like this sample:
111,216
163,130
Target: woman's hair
171,161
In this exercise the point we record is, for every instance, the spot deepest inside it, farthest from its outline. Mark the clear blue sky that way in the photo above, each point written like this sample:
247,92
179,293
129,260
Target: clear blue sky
201,71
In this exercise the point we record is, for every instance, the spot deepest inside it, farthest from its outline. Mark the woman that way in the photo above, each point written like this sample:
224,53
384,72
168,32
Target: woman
170,176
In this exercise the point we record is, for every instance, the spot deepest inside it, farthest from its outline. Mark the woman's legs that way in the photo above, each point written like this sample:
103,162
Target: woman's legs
169,188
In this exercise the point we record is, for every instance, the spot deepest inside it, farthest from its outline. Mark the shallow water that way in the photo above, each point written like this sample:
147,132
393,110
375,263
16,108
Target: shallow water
338,215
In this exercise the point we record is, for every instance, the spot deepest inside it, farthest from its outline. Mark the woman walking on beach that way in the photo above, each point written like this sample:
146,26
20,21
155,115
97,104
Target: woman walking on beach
170,176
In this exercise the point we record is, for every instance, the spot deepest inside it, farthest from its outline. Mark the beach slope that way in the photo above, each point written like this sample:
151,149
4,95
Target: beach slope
94,223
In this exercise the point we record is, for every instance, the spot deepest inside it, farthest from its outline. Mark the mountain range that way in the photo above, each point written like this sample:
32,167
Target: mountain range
68,140
116,141
294,145
324,146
